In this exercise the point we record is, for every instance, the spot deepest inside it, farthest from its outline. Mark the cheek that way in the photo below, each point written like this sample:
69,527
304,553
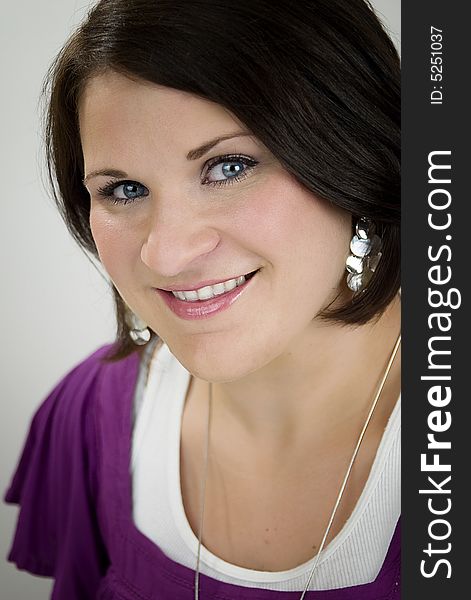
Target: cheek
294,229
116,242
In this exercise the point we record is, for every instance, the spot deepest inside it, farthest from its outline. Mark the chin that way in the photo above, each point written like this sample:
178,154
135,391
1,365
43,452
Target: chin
218,369
215,364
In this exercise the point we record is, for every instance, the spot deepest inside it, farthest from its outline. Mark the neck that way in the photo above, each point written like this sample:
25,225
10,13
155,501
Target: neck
327,377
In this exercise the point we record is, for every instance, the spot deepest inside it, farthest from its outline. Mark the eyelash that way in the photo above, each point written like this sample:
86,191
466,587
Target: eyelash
108,189
249,162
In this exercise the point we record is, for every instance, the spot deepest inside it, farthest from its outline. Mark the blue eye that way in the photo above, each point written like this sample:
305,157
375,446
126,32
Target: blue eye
222,170
123,192
228,169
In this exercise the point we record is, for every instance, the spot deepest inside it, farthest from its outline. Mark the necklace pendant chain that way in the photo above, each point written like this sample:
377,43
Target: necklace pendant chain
203,493
339,496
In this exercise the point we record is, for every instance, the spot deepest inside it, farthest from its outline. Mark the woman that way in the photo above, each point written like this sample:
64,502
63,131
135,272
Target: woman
237,174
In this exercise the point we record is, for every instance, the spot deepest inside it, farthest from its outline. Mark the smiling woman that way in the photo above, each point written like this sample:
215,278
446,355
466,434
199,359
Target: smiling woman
240,438
168,228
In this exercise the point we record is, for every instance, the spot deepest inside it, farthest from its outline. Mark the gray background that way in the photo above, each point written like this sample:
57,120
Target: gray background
55,304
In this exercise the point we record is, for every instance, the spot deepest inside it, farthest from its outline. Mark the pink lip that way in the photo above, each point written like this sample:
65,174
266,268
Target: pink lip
202,309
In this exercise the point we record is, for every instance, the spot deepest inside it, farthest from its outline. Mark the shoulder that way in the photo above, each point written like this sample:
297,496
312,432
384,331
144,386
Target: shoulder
77,395
63,426
78,387
56,480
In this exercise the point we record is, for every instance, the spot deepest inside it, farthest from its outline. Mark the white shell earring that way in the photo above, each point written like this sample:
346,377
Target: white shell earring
138,330
365,254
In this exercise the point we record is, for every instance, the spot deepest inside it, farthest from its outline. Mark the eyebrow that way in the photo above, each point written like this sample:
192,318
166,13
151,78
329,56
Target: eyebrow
107,172
192,155
206,147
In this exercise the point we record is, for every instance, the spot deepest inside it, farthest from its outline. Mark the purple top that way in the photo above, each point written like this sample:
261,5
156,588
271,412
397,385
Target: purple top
74,486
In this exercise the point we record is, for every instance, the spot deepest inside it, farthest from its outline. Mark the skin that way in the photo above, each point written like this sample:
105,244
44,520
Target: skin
286,385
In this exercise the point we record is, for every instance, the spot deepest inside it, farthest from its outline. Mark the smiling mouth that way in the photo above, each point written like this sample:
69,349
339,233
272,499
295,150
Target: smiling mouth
212,291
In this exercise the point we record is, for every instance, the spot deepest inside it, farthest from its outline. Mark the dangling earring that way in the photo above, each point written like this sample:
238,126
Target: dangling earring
365,255
138,332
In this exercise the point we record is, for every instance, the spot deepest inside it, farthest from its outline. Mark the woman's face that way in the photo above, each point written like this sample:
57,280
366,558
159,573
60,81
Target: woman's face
174,211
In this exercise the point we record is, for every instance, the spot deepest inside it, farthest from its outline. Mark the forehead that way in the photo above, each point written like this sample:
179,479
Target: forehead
112,104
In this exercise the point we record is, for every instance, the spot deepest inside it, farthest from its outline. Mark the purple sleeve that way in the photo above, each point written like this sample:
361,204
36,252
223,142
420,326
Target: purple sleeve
56,485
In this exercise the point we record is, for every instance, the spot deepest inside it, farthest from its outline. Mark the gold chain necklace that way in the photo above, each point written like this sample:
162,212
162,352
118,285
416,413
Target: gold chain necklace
342,487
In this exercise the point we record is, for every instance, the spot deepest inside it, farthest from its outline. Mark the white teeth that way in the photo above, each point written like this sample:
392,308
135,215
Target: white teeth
191,296
230,285
209,291
219,289
205,293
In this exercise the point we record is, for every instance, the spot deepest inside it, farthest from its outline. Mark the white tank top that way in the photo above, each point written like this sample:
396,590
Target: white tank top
353,557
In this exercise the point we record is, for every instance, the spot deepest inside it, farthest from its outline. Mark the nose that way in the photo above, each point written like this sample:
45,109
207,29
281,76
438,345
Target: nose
176,240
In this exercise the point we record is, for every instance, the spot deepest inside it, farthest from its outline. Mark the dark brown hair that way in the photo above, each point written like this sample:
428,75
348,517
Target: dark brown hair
317,81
